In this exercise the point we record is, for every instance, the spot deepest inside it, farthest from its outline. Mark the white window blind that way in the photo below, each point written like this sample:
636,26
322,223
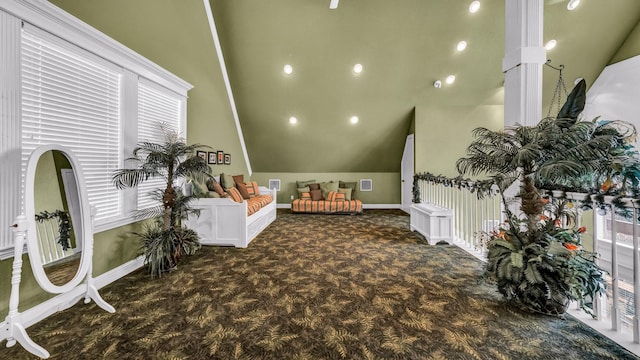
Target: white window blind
156,107
72,97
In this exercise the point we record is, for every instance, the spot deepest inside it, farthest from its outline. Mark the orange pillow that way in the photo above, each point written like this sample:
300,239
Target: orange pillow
305,196
335,196
252,188
235,195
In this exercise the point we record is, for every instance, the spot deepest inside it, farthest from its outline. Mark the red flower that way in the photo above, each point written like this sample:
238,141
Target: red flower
571,247
557,222
544,217
582,229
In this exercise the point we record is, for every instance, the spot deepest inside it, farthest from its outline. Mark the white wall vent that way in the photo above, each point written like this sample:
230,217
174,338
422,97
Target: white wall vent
366,185
274,184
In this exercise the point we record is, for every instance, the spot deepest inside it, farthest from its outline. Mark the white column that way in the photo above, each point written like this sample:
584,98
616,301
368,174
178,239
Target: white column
523,61
10,152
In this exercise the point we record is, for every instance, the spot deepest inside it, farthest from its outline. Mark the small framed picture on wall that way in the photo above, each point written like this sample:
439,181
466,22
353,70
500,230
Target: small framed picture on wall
220,157
202,155
227,159
213,157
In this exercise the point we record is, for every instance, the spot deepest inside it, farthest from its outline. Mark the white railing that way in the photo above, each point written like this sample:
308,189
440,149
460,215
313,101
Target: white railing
48,233
473,216
616,242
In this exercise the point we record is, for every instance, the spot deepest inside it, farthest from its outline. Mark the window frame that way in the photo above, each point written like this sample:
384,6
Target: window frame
59,23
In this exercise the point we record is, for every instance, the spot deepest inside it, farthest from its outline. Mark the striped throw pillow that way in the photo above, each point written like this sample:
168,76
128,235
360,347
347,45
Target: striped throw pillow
235,194
335,196
252,188
305,196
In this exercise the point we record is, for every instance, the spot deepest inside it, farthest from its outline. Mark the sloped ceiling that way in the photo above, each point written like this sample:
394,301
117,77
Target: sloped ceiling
404,46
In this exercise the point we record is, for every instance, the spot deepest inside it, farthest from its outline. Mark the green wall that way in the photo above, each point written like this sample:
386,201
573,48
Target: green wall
386,186
160,38
630,47
442,134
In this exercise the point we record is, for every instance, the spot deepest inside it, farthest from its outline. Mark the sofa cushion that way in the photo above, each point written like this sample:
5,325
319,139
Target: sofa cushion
301,184
326,187
226,181
315,186
252,188
351,185
303,190
316,195
335,196
213,185
305,196
235,194
346,192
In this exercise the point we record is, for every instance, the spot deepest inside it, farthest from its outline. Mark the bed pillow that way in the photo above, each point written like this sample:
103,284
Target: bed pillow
346,192
301,184
226,181
326,187
303,190
316,195
213,185
335,196
351,185
252,188
305,196
235,194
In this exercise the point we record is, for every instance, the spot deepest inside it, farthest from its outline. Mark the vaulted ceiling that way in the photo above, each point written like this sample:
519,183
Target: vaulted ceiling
403,46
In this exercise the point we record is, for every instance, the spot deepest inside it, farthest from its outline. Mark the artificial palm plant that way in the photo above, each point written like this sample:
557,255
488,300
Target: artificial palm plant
537,258
164,240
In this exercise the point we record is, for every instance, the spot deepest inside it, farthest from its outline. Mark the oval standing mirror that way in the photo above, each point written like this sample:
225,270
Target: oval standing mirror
58,215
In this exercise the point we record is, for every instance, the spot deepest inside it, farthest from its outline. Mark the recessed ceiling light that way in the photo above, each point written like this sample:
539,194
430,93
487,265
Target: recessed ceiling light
450,79
573,4
357,68
354,119
474,7
461,45
293,120
288,69
437,84
550,44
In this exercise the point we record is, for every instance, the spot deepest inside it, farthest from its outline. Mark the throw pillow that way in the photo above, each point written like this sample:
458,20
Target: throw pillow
335,196
303,190
226,181
351,185
305,196
316,195
252,188
314,186
243,189
235,194
301,184
213,185
238,179
346,192
325,187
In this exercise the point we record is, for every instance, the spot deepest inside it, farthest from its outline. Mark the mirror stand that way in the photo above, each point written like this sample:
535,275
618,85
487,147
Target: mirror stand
16,331
92,291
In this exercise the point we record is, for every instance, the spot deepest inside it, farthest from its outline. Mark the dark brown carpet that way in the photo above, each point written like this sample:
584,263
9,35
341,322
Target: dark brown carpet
316,287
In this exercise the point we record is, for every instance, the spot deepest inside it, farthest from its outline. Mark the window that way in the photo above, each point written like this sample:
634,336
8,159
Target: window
156,107
65,82
72,98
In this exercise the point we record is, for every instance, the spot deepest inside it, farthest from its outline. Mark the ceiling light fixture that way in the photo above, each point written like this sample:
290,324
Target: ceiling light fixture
474,7
437,84
573,4
333,4
461,45
288,69
450,79
357,68
550,44
354,119
293,120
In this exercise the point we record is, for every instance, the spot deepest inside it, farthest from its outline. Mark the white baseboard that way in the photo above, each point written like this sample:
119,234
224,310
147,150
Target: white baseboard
381,206
64,301
364,206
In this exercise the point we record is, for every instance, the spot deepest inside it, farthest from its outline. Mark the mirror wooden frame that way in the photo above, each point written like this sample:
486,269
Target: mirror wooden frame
25,231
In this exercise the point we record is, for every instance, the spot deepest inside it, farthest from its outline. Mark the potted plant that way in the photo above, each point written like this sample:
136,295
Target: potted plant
164,240
536,258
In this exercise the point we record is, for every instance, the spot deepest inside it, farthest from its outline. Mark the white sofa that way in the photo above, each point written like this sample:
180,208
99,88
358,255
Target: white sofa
223,221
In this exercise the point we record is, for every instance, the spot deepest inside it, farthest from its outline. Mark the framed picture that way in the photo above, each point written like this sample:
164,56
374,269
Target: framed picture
213,156
202,155
220,157
227,159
